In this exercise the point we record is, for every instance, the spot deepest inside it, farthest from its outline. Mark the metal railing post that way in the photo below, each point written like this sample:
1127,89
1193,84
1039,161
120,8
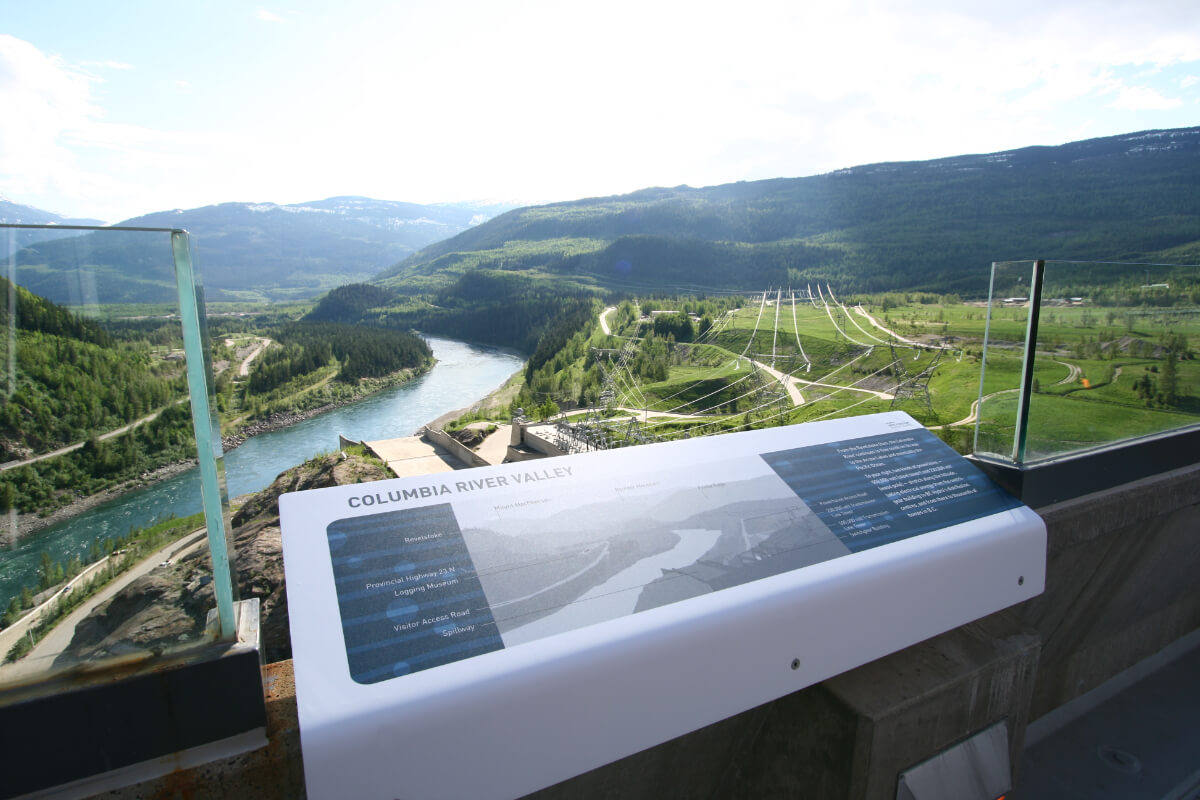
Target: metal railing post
1031,333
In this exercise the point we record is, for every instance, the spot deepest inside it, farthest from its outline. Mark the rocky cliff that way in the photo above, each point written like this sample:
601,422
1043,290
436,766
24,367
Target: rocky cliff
168,606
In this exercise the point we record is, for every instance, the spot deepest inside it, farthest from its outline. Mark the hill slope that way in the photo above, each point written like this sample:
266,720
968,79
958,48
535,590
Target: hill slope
17,214
922,225
263,251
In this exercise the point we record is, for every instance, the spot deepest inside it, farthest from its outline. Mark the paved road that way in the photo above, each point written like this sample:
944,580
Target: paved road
494,448
792,383
42,656
10,635
102,437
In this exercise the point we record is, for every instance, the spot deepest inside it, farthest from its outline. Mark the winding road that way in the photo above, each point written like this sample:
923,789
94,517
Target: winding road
102,437
42,657
604,320
1074,373
263,344
974,415
244,370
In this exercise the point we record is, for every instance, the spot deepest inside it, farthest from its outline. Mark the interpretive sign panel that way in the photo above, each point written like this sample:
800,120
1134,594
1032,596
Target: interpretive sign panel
535,587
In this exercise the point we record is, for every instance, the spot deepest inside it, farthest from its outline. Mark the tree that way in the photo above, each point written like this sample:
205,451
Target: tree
45,571
14,611
1169,381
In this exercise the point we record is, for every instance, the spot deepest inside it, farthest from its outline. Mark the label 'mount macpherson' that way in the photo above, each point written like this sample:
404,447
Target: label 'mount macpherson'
487,568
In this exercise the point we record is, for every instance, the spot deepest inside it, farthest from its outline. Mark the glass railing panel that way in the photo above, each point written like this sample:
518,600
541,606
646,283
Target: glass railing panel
104,545
1115,349
997,412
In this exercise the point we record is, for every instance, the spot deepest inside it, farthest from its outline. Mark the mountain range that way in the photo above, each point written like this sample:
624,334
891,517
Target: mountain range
932,225
265,251
17,214
929,225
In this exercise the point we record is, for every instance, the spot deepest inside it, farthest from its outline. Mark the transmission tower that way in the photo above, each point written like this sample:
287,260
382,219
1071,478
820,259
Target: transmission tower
608,392
770,393
909,386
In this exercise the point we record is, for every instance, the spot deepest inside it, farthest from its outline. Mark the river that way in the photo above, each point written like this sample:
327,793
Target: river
464,373
618,596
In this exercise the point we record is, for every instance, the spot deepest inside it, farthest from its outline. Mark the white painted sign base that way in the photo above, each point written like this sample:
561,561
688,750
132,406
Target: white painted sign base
493,631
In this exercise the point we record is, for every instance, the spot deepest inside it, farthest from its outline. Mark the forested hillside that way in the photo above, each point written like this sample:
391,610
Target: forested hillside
489,306
933,225
354,351
74,382
73,379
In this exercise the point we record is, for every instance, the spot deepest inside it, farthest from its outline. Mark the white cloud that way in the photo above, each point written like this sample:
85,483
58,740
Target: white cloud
1143,98
550,101
544,100
59,153
43,102
1189,81
119,65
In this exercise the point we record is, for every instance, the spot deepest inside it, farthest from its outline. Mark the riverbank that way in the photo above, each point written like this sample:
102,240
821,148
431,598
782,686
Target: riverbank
17,526
497,399
285,419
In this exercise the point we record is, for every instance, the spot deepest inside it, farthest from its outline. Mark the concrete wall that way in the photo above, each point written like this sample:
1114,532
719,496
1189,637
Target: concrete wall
522,453
455,447
1122,582
848,737
541,445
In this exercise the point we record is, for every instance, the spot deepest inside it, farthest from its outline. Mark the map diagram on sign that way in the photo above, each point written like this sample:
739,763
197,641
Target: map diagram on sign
542,548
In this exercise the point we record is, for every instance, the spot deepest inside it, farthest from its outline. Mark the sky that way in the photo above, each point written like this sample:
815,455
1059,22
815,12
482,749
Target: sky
112,110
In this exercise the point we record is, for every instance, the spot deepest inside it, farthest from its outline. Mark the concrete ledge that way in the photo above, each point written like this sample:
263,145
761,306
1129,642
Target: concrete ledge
847,737
411,455
274,772
85,729
522,453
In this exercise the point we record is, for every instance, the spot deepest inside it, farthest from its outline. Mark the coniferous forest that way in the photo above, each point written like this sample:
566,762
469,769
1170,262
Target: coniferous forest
114,396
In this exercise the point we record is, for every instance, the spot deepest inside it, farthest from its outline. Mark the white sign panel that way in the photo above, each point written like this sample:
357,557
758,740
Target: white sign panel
488,632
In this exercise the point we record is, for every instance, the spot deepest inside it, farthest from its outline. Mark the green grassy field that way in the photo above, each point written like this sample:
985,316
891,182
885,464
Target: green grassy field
1100,372
1090,373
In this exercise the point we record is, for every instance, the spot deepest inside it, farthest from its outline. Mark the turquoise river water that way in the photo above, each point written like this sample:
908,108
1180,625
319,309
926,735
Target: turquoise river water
464,373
